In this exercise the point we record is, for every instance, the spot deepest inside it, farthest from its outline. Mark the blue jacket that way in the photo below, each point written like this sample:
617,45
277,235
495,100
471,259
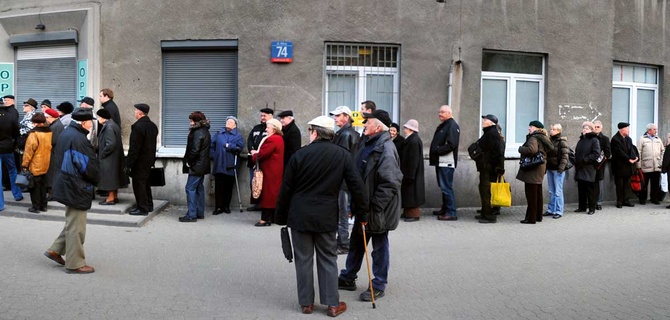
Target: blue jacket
78,172
224,158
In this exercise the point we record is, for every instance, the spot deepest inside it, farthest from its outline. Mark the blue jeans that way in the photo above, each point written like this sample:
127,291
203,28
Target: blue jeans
555,182
8,160
195,196
445,179
380,257
343,224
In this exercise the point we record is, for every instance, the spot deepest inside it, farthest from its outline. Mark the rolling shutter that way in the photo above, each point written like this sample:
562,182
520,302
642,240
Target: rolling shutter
46,73
203,81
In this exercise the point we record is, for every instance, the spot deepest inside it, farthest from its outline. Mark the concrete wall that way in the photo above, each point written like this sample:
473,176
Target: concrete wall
580,39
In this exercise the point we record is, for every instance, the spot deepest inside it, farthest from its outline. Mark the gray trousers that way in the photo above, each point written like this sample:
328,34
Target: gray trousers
325,245
70,242
343,225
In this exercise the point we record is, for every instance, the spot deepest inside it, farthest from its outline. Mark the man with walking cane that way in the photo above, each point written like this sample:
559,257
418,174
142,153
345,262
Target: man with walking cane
307,202
377,163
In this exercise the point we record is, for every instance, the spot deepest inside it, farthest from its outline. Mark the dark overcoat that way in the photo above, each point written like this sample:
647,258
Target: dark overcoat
270,158
587,152
196,161
56,129
622,151
309,192
142,151
411,164
292,140
110,156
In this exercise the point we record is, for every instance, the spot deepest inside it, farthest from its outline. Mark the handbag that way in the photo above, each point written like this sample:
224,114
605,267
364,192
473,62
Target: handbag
286,244
527,163
475,151
24,179
157,177
637,181
501,193
257,183
664,182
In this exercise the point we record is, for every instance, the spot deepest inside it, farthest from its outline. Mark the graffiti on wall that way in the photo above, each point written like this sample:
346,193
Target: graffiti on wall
578,112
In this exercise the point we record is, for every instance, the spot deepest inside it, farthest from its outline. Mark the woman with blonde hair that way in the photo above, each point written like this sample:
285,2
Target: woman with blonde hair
270,159
557,162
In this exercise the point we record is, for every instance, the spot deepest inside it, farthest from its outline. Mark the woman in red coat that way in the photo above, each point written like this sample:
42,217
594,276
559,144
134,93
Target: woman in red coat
270,159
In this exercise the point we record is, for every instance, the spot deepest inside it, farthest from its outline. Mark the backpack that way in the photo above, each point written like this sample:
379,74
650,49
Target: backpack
571,159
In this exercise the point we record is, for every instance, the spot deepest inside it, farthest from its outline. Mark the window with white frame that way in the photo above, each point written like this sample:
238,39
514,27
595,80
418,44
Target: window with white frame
513,90
358,72
634,97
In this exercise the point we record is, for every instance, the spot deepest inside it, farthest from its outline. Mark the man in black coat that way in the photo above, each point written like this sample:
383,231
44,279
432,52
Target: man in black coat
73,187
107,102
443,155
348,138
9,132
607,154
291,135
141,157
307,203
624,157
256,134
491,165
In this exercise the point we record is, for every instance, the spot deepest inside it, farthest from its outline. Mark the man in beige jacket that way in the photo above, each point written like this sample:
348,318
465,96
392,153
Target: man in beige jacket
651,156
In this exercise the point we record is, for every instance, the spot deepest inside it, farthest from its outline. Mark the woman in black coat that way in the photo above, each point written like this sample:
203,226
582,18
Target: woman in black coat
412,189
196,163
110,156
587,153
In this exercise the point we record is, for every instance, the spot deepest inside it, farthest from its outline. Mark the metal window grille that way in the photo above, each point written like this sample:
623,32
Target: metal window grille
358,72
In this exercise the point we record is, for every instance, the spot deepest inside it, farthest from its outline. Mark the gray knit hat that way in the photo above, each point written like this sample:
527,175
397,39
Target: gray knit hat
234,119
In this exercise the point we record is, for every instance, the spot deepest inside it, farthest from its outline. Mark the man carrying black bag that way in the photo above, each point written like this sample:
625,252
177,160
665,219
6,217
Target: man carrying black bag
308,204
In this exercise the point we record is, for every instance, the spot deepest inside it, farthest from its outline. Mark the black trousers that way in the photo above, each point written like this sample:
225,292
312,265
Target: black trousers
485,180
223,190
142,191
268,215
38,193
623,190
587,195
654,191
534,199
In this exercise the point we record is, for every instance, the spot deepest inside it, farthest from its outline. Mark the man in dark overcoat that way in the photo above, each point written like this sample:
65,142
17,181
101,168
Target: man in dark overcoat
307,203
624,157
291,135
607,154
141,157
107,102
491,165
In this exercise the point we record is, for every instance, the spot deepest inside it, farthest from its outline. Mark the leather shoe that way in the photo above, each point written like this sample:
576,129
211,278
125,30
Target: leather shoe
438,213
226,210
57,258
557,216
254,208
105,203
34,210
628,204
412,219
138,212
655,202
187,219
580,210
445,217
308,309
263,224
217,211
599,207
591,212
334,311
487,221
19,199
527,222
667,207
547,213
82,270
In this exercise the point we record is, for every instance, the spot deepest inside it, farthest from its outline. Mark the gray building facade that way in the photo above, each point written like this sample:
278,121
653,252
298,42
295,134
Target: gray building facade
557,61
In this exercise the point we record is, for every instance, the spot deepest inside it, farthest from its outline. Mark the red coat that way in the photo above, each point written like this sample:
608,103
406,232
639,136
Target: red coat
271,161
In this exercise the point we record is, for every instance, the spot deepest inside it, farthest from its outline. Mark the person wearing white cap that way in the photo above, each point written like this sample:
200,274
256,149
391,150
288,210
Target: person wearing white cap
412,189
306,203
348,138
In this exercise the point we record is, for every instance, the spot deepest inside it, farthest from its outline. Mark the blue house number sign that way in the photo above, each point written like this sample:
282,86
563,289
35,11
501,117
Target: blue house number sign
282,52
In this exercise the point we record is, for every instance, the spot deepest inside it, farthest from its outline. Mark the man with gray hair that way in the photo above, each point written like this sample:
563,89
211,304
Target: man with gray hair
651,156
443,155
306,203
377,162
348,138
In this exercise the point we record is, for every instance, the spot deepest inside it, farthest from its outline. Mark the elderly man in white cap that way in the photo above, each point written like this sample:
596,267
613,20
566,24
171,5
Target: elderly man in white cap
307,203
348,138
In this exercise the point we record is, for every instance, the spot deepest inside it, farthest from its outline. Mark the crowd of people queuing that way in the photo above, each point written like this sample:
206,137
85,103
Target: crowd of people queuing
376,177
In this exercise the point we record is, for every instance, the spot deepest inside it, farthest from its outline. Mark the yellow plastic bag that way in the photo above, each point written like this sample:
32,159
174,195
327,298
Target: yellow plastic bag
501,193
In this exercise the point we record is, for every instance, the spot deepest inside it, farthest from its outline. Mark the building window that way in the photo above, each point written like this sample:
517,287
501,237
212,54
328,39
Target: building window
634,97
46,72
513,90
197,76
358,72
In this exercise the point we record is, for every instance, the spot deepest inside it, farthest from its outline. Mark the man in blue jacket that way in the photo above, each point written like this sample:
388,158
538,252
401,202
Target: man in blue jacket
73,187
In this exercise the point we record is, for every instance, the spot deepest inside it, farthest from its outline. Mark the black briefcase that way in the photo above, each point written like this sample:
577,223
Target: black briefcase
286,244
157,177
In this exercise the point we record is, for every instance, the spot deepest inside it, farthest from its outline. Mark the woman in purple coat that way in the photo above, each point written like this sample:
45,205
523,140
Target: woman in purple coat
226,145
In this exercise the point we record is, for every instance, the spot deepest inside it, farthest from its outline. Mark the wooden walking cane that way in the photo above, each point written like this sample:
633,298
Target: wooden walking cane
367,260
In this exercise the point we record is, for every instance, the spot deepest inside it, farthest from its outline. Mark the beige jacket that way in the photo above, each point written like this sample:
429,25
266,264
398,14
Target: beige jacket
651,153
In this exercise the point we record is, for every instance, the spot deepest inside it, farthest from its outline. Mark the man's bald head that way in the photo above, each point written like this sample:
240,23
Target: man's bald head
445,113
